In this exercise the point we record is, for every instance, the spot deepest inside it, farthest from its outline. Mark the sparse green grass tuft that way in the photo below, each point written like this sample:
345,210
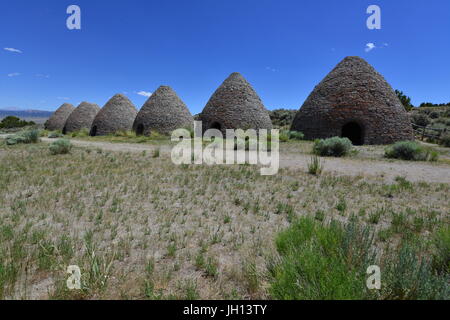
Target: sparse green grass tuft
315,166
80,134
156,153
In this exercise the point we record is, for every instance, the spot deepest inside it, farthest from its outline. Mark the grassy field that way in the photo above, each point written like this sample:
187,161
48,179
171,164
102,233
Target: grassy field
140,227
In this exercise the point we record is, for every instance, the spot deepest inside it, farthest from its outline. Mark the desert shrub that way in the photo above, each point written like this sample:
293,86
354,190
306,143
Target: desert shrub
434,115
26,137
410,150
421,119
321,261
315,166
330,260
336,147
14,139
441,255
445,141
286,135
296,135
429,104
31,136
61,146
424,111
55,134
441,123
408,276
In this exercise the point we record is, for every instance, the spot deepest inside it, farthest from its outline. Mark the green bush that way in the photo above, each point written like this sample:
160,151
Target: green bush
321,261
31,136
434,115
26,137
14,122
445,141
14,139
421,120
441,256
296,135
330,260
408,276
61,146
336,147
291,135
411,150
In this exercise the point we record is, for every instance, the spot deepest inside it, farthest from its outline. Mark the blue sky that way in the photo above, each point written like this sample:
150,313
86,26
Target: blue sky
283,48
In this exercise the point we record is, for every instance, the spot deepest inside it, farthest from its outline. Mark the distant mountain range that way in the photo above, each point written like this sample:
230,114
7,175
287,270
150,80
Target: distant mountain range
37,116
25,113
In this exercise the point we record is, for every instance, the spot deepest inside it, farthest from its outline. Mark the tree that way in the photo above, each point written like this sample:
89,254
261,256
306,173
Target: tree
14,122
282,117
405,100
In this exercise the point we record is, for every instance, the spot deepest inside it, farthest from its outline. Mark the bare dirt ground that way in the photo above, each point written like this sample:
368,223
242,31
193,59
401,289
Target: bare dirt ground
382,168
412,171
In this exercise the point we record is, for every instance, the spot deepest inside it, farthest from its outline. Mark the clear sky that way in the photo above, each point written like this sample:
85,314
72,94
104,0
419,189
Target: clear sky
282,47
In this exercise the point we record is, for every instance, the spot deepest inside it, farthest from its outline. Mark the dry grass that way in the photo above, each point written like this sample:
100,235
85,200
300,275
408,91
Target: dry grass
140,227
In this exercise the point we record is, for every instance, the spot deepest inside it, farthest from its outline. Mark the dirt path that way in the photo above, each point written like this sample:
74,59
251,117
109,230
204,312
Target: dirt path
117,147
387,170
412,171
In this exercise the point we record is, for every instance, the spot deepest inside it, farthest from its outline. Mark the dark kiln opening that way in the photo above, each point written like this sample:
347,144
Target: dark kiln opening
140,130
93,131
354,132
216,125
